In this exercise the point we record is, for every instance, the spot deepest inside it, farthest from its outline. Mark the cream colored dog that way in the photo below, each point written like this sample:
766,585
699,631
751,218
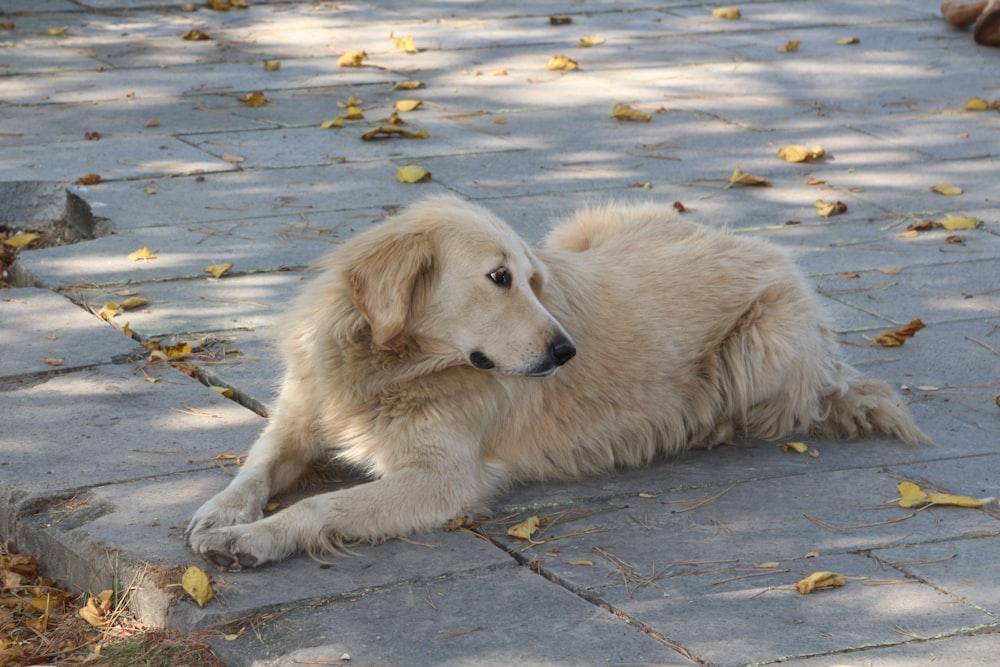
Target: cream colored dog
427,351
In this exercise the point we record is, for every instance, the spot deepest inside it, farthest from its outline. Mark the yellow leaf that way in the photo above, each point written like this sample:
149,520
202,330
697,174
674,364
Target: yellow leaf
817,580
234,636
225,391
7,25
797,153
625,112
790,46
336,122
590,40
20,240
353,113
392,130
798,447
825,209
412,174
911,495
525,529
134,302
196,583
955,222
976,104
407,85
957,501
404,44
728,13
896,337
352,59
254,99
152,123
54,361
407,105
739,178
579,562
564,63
499,120
56,32
179,351
946,190
647,495
351,101
844,41
272,65
196,36
97,610
239,4
109,310
89,179
187,7
219,5
218,270
142,253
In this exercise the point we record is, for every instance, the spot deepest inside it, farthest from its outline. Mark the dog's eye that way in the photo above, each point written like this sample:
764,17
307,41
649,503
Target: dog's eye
501,277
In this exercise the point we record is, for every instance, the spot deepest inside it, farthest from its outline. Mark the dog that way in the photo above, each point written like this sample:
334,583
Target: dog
448,360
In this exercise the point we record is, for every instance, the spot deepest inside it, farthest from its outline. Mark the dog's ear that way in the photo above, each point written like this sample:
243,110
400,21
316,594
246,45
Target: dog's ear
387,278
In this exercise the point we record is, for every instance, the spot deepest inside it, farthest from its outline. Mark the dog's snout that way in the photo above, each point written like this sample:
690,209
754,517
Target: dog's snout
562,350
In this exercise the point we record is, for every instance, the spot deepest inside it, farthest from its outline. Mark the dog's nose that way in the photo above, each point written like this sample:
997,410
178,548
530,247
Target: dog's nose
562,349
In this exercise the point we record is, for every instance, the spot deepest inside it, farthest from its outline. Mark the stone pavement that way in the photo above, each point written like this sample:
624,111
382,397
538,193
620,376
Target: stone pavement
689,562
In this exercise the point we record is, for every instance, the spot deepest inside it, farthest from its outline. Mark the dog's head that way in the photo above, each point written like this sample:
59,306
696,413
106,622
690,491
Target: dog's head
460,283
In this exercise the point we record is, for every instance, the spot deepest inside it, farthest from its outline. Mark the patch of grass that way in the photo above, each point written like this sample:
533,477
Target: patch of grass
157,648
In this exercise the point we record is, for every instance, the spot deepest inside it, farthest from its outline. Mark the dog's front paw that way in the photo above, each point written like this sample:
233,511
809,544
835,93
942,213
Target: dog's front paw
241,547
231,507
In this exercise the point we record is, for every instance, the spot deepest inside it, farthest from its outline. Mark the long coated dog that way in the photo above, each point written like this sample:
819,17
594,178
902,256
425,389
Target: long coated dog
447,359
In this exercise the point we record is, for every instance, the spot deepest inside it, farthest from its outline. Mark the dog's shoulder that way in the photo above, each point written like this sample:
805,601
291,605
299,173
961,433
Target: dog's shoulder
594,226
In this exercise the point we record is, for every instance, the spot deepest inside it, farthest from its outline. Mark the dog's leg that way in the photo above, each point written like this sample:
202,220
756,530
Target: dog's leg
275,462
404,501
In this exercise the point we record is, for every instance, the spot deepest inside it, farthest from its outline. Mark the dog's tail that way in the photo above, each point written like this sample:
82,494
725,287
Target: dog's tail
861,406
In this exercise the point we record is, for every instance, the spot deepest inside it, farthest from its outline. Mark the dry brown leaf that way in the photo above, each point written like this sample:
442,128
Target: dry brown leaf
740,178
272,65
563,63
818,580
797,153
790,46
97,610
89,179
848,274
218,270
152,123
134,302
196,36
254,99
385,131
728,13
560,20
898,336
625,112
825,209
352,59
891,271
947,190
232,159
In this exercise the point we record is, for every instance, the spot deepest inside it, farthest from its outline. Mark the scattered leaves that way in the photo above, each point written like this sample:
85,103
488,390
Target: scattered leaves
352,59
404,44
818,580
89,179
218,270
825,209
947,190
142,253
797,447
797,153
195,583
564,63
590,40
728,13
412,174
979,104
913,497
97,610
407,105
898,336
254,99
740,178
525,529
196,36
272,65
625,112
385,131
790,46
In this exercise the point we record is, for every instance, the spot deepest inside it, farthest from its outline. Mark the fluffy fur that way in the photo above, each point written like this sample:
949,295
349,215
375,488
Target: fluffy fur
426,352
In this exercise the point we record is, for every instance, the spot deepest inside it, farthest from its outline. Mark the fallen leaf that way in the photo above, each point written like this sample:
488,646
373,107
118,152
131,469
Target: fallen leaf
108,311
351,101
89,179
564,63
848,274
54,361
407,85
7,25
272,65
818,580
740,178
384,131
56,32
647,495
336,122
254,99
590,40
150,191
921,226
525,529
97,610
499,120
196,36
177,352
219,5
892,271
352,59
218,270
134,302
412,174
954,239
912,496
844,41
977,104
898,336
407,105
625,112
354,113
679,207
797,153
910,234
21,240
404,44
142,253
196,583
790,46
946,190
953,223
797,447
232,159
579,562
825,209
152,123
954,501
188,7
815,181
728,13
560,20
225,391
